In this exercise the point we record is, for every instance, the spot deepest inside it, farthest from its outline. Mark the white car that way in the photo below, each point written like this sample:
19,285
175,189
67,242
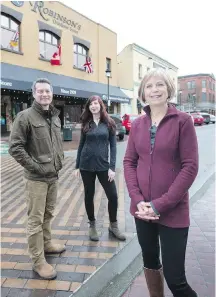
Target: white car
212,119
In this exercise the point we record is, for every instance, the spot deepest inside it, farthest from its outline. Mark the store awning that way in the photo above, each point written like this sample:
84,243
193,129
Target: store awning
21,78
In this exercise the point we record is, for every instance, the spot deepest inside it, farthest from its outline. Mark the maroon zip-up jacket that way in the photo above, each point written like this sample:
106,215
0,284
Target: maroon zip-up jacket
164,174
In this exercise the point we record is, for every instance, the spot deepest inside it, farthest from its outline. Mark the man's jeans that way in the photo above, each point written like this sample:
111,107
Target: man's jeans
41,200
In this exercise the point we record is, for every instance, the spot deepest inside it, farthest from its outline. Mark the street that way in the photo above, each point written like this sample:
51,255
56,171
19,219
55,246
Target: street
82,257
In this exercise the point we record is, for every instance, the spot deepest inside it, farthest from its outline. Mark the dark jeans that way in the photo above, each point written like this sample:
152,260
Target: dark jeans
88,178
173,242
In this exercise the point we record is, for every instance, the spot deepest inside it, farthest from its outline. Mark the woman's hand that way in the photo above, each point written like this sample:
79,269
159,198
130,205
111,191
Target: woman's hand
146,212
76,173
111,175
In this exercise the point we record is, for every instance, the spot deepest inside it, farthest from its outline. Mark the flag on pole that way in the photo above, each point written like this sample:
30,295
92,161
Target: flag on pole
15,40
56,58
88,65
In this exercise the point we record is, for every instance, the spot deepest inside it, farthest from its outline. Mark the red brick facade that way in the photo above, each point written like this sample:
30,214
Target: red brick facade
197,92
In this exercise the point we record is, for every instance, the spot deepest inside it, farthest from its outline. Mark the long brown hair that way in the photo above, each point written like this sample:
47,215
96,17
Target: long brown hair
87,116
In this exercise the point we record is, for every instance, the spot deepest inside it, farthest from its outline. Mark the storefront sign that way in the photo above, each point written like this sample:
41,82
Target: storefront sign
6,83
68,92
58,19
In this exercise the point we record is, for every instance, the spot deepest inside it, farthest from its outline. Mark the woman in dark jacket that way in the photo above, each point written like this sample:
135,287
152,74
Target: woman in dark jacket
160,165
98,133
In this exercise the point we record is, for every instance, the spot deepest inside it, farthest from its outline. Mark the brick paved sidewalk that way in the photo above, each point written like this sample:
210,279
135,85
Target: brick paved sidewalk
200,257
81,258
67,145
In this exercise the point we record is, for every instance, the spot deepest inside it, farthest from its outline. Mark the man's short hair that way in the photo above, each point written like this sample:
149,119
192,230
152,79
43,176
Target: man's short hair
41,80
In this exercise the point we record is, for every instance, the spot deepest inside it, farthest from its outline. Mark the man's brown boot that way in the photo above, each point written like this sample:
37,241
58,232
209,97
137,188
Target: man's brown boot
54,248
45,271
155,282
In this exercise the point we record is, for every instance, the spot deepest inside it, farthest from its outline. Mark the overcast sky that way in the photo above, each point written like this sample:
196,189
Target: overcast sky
182,32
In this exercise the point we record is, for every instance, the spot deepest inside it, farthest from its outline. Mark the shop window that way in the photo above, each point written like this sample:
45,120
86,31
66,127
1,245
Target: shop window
10,33
48,44
80,55
203,96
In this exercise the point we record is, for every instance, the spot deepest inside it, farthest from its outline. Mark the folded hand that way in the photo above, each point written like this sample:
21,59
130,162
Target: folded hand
146,212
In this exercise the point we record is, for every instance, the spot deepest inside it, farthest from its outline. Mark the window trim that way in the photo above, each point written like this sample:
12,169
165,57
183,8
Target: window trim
77,53
45,27
12,13
45,42
11,18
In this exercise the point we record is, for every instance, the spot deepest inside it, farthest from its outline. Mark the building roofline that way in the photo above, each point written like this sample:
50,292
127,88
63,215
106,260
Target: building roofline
197,75
153,55
86,17
123,49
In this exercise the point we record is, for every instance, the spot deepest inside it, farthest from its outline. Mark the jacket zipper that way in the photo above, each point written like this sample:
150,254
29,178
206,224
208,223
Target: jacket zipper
54,153
151,154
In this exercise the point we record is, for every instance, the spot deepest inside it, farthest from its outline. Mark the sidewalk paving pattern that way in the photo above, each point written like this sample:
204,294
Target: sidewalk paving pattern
200,257
81,258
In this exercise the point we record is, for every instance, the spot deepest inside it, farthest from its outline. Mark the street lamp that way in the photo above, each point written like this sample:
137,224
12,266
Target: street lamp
108,74
180,103
194,101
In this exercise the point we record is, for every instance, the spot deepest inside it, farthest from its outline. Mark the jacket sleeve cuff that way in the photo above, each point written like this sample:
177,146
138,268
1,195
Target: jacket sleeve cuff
112,168
153,207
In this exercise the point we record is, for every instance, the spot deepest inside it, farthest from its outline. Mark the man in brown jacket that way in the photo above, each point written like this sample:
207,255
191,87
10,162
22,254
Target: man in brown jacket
36,144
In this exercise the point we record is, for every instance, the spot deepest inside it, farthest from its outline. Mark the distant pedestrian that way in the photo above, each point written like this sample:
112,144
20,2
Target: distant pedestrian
97,135
160,165
36,144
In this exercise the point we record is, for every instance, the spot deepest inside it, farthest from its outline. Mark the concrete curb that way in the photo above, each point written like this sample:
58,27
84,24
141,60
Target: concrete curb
97,282
116,275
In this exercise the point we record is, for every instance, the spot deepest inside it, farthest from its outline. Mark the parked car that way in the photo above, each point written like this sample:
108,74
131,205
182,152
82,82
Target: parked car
198,119
212,118
206,117
127,120
120,129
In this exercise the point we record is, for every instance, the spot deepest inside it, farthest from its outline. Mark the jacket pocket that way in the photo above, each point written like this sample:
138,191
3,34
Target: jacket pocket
46,165
39,130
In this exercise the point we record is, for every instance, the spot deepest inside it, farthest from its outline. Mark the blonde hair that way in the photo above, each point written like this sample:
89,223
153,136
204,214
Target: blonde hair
163,74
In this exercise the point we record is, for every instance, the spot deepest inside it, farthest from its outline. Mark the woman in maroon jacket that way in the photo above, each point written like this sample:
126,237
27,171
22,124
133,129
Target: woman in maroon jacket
160,165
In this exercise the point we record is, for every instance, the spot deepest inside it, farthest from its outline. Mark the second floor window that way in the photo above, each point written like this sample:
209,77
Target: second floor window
193,84
48,44
9,33
204,84
189,85
210,85
140,71
108,64
80,55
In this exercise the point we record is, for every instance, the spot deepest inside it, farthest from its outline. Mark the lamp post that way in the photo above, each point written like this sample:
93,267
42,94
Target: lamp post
180,103
194,101
108,74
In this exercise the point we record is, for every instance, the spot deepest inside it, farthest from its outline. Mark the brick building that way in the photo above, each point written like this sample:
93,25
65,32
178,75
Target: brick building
197,92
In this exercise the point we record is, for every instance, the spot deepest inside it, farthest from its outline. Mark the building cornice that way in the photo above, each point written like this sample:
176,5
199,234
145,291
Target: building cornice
145,52
197,75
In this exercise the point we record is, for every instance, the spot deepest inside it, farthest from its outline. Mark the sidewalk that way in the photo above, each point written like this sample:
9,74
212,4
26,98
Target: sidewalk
200,257
67,145
82,257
